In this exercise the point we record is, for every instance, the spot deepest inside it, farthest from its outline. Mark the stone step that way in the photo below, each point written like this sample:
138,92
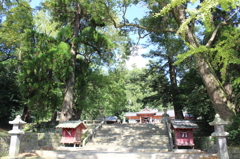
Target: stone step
149,126
146,146
143,143
137,128
137,131
129,149
132,135
137,138
88,154
134,127
125,139
129,139
132,130
129,144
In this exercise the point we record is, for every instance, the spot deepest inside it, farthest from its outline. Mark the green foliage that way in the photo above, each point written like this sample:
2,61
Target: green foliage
194,96
227,51
45,66
65,33
12,29
10,97
91,37
98,93
45,60
44,24
143,89
185,55
234,132
159,84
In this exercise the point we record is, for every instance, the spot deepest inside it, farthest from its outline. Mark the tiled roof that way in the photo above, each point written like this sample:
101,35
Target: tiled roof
184,124
148,111
69,124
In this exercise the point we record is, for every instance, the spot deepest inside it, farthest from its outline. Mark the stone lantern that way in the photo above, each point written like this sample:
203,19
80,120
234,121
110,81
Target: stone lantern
165,116
220,135
16,133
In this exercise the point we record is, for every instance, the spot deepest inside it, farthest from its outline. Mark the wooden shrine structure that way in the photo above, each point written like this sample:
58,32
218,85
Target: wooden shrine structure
183,132
148,115
71,132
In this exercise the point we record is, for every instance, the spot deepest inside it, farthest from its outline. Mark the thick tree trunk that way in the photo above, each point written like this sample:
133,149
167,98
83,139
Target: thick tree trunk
173,78
67,106
26,116
54,117
77,113
216,92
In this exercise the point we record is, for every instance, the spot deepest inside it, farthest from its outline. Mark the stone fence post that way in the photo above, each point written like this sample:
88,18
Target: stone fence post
16,133
220,135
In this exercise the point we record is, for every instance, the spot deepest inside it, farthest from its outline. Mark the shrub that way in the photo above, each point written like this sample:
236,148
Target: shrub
234,132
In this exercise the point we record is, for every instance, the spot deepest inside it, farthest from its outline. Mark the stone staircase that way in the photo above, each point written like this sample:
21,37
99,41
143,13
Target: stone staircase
149,138
125,141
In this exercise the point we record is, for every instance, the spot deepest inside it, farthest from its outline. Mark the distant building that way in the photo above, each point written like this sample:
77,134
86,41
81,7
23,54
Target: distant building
148,115
111,119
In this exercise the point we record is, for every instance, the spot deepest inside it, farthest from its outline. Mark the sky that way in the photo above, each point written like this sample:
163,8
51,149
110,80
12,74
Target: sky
133,12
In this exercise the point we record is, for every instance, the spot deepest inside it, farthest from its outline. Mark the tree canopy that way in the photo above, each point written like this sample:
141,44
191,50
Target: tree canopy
68,57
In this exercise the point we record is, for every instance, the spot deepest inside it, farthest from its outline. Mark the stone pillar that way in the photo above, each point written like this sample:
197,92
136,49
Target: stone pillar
220,135
16,133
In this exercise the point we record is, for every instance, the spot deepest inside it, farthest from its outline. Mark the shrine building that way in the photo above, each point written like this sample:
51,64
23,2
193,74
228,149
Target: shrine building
148,115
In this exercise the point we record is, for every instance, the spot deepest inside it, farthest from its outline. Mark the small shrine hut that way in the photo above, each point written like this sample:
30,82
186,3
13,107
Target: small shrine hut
71,132
183,132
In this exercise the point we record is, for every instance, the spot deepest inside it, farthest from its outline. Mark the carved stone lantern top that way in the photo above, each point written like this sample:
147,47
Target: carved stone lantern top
218,121
17,125
218,124
17,121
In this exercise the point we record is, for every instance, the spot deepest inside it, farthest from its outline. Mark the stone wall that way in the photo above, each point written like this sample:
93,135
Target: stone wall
234,152
205,143
4,144
31,141
36,141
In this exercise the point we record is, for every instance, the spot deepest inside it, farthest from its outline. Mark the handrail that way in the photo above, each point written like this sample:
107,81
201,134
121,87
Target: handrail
169,134
93,134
